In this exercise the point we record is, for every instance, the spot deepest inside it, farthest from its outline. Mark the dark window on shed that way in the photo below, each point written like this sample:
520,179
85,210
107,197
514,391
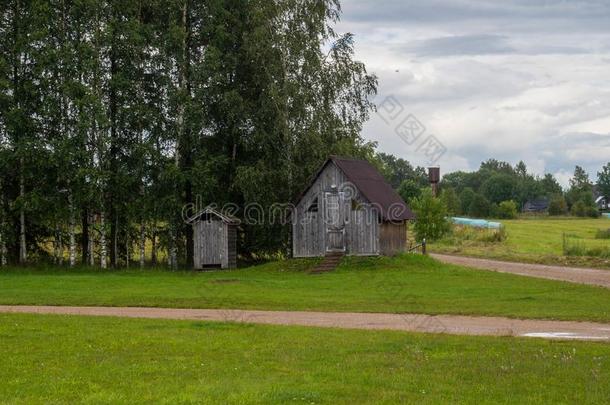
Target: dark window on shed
313,206
356,205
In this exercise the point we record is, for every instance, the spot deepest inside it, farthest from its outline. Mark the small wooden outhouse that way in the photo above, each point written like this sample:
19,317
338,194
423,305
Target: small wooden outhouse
215,239
349,208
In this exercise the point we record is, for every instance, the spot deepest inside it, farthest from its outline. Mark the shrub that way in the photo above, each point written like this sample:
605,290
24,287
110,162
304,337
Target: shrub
574,249
592,212
431,222
603,234
579,209
494,235
558,206
480,206
579,248
507,210
461,234
602,252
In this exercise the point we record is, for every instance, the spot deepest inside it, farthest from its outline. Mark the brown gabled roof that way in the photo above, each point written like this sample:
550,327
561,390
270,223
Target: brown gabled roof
372,186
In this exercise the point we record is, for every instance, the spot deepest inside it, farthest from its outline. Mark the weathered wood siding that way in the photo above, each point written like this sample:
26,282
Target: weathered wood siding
309,228
392,238
232,246
362,232
215,244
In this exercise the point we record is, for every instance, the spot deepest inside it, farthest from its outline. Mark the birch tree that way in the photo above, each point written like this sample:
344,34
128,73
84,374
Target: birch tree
3,251
116,113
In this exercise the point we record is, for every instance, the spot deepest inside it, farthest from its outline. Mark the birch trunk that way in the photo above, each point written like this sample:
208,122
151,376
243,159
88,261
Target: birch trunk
23,253
153,253
182,75
56,246
2,246
127,253
173,254
91,245
103,263
61,248
85,240
142,244
3,251
98,150
72,231
115,242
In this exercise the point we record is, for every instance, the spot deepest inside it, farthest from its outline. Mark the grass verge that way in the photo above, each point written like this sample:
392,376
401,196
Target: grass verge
535,240
405,284
59,359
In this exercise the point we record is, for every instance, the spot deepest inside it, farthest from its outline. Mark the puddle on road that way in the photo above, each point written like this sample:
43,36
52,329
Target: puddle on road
563,335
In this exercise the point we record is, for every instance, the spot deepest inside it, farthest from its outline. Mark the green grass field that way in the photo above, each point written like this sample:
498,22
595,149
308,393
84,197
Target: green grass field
60,359
536,240
409,283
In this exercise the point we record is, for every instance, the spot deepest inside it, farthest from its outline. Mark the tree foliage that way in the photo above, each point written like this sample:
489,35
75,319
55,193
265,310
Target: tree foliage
498,181
507,210
580,180
580,197
431,217
451,201
499,187
558,205
116,114
466,197
480,207
603,181
397,170
409,190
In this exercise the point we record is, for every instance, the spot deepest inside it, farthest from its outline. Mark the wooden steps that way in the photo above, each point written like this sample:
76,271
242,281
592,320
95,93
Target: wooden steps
329,263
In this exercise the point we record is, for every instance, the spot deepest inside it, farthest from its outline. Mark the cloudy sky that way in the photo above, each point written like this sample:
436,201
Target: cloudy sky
509,79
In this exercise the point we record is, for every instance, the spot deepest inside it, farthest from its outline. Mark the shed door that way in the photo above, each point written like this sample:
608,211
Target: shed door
212,242
334,219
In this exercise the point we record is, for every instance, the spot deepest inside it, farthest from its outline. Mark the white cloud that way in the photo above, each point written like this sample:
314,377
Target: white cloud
563,177
514,80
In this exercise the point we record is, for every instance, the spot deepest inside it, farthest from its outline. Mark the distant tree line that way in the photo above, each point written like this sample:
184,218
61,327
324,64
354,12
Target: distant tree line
114,114
499,190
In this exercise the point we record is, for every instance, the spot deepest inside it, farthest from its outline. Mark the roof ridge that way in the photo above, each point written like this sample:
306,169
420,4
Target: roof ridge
349,158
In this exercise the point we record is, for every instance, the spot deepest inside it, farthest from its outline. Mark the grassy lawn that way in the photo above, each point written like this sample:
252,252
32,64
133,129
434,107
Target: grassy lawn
409,283
536,240
59,359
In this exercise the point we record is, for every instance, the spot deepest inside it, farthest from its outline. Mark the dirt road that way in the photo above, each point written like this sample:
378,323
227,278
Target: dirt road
571,274
455,325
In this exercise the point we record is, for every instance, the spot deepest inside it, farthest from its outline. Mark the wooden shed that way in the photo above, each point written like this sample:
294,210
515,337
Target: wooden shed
215,239
349,208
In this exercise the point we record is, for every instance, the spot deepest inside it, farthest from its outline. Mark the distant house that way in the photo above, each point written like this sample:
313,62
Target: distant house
539,205
349,208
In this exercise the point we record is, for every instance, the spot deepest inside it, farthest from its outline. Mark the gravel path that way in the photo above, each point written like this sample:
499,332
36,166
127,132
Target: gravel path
571,274
455,325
